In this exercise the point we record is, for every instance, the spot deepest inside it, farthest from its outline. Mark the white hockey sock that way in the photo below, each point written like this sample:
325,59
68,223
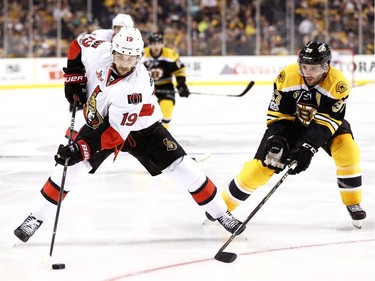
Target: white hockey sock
43,208
187,172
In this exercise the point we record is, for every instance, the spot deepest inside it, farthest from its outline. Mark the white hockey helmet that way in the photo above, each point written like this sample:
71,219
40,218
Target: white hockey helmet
122,20
128,41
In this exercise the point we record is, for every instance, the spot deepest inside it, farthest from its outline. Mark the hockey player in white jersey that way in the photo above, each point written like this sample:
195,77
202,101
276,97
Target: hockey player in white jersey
107,34
118,21
122,114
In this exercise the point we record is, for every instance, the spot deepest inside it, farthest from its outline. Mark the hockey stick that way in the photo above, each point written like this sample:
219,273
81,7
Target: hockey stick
63,178
244,92
229,257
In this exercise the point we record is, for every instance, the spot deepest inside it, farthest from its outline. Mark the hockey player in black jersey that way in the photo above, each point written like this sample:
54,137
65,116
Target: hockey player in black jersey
163,64
306,113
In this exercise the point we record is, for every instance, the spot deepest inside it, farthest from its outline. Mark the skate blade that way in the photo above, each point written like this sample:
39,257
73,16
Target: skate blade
207,222
357,223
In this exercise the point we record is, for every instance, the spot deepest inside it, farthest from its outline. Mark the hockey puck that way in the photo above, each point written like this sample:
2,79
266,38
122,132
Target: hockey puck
58,266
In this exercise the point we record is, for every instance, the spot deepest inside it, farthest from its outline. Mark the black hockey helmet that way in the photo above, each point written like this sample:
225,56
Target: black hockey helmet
315,52
156,37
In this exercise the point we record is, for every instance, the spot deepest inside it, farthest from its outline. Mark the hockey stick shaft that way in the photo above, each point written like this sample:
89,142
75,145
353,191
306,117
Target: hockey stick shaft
72,120
244,92
230,257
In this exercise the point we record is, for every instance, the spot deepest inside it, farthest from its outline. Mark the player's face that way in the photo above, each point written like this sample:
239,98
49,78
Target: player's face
124,64
156,47
312,73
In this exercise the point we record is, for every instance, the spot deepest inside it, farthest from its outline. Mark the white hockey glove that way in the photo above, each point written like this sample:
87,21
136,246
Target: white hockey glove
276,147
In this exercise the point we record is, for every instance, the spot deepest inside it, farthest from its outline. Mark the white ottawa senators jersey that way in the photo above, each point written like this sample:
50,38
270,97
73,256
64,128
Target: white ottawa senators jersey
129,101
320,109
103,34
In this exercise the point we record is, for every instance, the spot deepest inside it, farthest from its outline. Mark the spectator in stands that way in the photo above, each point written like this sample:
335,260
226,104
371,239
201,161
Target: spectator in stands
343,19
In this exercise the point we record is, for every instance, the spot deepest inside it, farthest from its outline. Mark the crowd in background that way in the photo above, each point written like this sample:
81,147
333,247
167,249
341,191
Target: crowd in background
310,22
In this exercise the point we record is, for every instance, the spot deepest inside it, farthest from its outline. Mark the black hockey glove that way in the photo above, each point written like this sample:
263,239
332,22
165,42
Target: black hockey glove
276,148
183,90
75,85
76,152
302,155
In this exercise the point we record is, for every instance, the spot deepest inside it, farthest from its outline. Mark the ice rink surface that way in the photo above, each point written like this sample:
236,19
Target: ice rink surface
122,224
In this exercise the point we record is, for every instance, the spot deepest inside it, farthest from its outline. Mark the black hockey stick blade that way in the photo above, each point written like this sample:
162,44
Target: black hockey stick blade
226,257
229,257
247,89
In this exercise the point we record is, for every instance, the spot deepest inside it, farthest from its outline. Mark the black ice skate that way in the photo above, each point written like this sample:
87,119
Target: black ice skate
27,228
227,220
209,217
357,214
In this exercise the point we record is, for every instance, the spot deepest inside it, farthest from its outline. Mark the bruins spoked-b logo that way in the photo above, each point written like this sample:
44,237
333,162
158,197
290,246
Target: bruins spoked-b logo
341,87
171,145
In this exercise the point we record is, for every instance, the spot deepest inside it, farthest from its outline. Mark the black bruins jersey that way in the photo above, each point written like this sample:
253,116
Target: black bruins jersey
318,111
164,67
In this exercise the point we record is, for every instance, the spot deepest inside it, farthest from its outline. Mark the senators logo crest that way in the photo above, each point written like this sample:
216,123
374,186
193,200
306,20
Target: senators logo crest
92,115
171,145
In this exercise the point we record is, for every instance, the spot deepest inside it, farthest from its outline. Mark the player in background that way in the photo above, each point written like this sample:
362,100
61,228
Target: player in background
122,114
91,26
306,113
75,80
118,21
163,64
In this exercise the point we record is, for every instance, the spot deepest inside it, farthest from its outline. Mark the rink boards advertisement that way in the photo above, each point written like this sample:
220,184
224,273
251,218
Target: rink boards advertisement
201,71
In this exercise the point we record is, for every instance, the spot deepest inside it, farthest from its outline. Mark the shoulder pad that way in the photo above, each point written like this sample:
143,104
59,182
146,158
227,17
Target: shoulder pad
170,53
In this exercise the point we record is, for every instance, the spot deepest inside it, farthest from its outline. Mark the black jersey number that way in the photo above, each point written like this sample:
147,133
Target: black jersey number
275,101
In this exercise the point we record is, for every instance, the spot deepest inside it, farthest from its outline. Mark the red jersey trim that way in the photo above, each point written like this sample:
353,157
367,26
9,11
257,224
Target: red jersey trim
110,139
74,50
147,110
205,193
